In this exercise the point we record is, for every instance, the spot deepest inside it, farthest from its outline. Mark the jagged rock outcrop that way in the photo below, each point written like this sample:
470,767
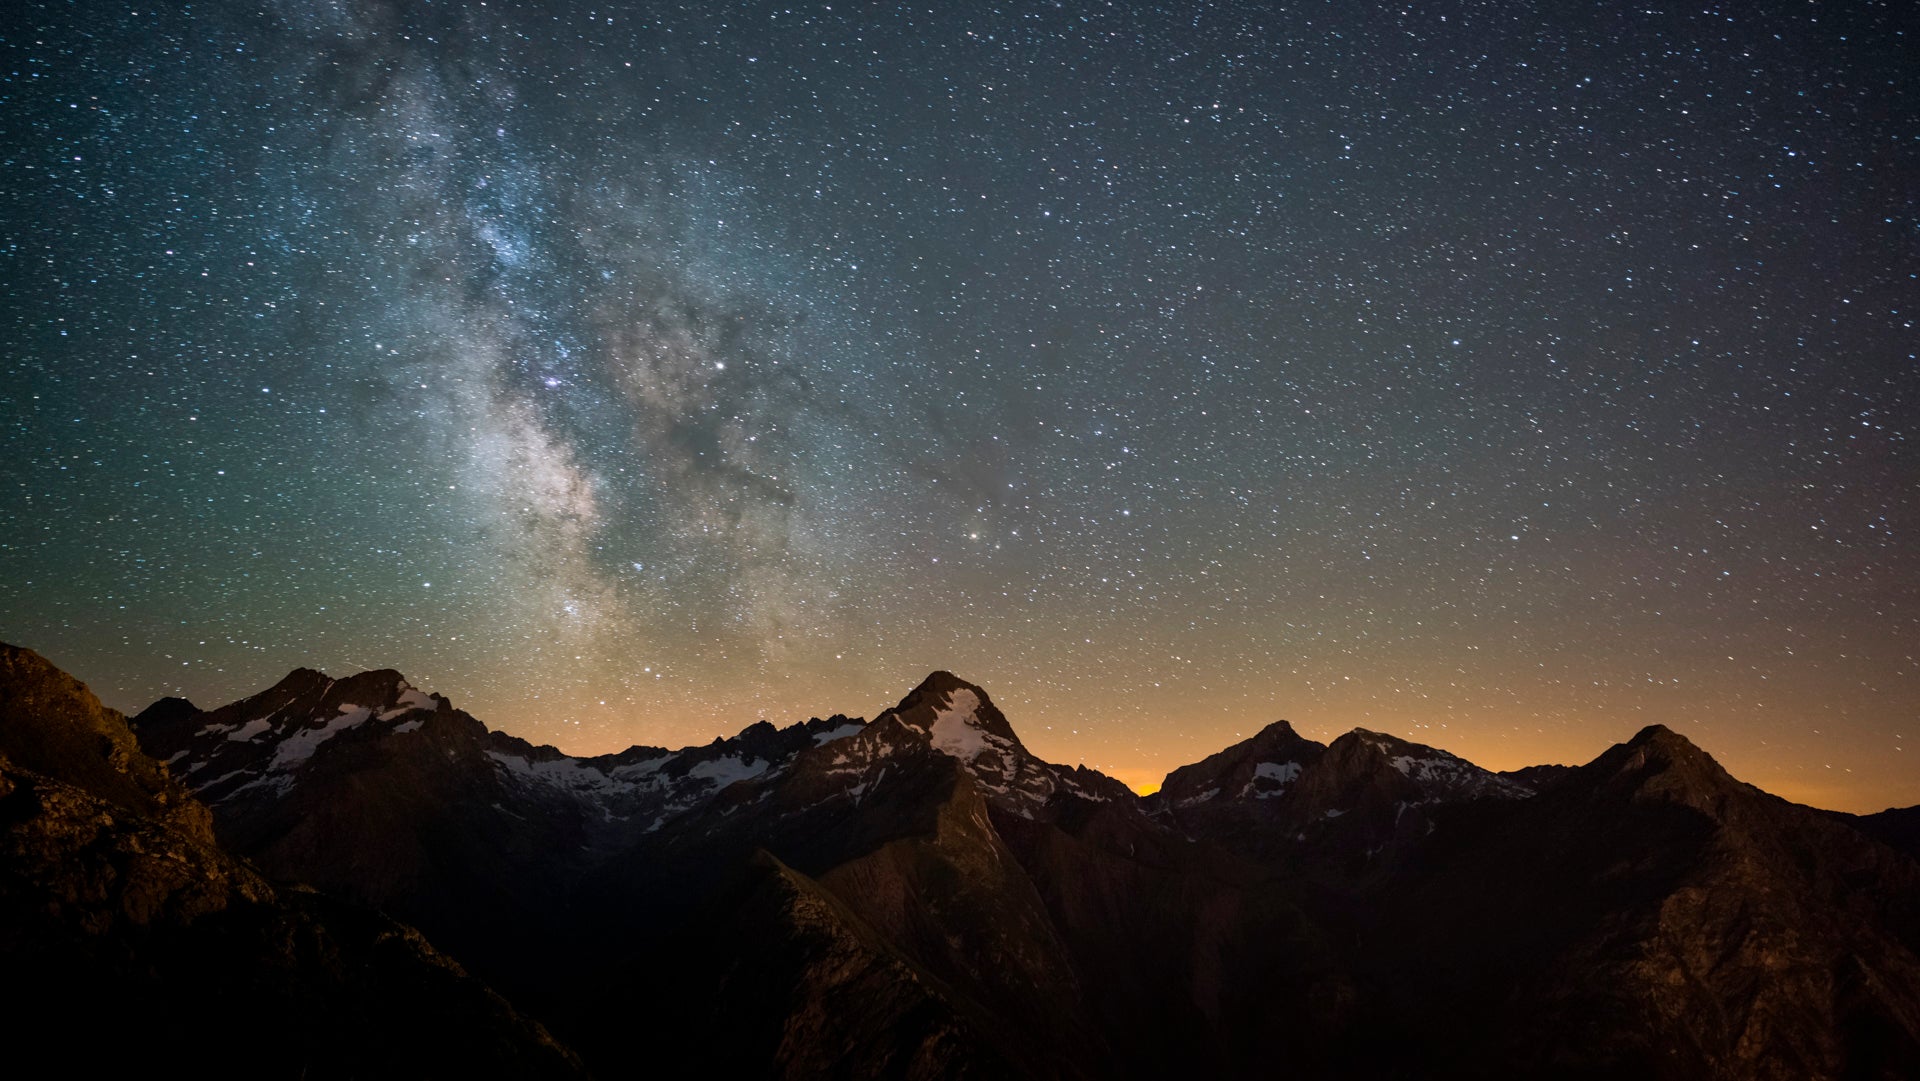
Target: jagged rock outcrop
1259,769
1651,916
380,793
130,936
961,722
1374,907
1344,808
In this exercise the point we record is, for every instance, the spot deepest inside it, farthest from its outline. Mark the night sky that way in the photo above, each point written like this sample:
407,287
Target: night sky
1504,376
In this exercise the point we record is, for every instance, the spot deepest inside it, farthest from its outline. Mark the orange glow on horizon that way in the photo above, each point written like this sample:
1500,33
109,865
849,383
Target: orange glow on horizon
1793,747
1144,780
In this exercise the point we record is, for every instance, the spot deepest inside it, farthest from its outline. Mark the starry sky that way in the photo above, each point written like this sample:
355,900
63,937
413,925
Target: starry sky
1505,376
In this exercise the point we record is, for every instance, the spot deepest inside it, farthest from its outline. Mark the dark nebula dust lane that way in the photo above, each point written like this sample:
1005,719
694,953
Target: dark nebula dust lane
1505,378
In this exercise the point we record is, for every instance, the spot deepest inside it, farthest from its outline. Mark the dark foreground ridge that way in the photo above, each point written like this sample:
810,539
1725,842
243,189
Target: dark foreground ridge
131,937
919,896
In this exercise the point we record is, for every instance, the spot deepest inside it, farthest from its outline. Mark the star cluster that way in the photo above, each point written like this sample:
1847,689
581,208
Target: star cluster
1505,376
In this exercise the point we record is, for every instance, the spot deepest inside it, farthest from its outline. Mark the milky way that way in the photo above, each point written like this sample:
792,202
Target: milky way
1503,377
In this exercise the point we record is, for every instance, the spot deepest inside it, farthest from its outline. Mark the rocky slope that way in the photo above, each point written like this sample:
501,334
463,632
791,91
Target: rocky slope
1898,827
1345,808
142,940
1651,916
372,790
920,896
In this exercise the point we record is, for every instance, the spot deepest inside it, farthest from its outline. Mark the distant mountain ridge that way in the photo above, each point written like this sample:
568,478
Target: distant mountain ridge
921,896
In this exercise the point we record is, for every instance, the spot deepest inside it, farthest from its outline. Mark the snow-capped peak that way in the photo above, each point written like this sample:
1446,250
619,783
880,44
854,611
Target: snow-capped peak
961,722
957,729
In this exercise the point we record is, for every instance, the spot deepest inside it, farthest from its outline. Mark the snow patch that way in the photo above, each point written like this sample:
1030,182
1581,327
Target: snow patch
1456,777
560,772
1282,774
725,771
298,747
634,771
250,730
841,732
954,729
409,700
1277,771
227,776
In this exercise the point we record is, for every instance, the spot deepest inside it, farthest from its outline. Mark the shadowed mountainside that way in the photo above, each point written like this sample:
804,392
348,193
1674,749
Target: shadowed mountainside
130,923
921,897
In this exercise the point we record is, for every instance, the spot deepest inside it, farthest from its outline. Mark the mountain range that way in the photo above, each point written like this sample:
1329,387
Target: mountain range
352,877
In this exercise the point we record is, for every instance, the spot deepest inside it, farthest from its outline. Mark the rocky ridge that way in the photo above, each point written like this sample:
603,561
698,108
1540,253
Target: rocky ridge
921,896
125,915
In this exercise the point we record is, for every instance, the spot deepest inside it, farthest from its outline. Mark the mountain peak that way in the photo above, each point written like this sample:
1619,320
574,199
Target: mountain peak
1659,735
271,735
377,684
1262,766
298,680
958,719
1425,773
1280,731
1661,764
1382,741
1658,743
956,714
1362,741
938,684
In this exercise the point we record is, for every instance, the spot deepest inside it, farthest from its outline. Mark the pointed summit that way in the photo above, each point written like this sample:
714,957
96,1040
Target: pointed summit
302,675
960,721
1262,767
1659,764
272,735
1669,741
1354,802
296,683
1280,735
1398,770
959,716
939,682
